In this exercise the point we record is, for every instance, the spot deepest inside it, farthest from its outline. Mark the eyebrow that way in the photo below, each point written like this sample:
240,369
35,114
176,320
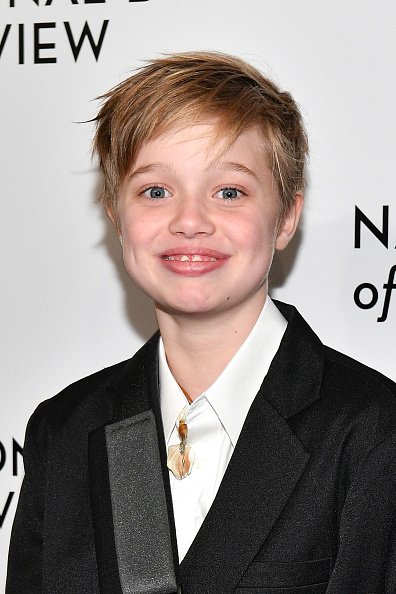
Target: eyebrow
150,167
223,165
232,166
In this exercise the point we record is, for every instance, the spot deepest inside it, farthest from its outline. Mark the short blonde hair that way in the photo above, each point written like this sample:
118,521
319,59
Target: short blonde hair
182,89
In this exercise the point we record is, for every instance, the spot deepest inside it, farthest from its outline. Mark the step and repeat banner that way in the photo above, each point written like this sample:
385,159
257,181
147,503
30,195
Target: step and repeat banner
67,307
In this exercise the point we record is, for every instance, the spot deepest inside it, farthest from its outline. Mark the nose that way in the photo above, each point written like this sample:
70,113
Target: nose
191,218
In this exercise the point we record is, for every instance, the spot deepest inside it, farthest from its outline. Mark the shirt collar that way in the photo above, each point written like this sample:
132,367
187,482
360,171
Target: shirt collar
233,392
172,399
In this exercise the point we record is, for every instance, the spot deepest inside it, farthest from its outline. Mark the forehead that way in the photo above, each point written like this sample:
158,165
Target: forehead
203,145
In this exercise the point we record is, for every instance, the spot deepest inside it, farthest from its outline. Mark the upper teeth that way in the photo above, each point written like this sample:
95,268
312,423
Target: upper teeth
192,258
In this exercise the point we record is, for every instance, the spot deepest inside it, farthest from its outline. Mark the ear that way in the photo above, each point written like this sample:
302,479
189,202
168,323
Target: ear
289,223
114,218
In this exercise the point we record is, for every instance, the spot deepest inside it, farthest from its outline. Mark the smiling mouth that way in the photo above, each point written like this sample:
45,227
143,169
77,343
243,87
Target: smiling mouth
190,258
192,261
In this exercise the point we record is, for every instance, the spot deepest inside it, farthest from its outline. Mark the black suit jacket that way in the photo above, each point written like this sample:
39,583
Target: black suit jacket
307,504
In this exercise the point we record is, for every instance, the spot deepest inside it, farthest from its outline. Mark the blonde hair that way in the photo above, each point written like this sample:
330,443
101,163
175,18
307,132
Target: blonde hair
181,89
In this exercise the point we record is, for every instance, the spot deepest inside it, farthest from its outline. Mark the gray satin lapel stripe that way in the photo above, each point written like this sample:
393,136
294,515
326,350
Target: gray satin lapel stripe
140,518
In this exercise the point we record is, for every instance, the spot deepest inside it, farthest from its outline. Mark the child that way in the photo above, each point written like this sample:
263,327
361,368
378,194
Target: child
234,452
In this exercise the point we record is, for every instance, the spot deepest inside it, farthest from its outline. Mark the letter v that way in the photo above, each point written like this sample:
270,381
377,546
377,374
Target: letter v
6,507
4,38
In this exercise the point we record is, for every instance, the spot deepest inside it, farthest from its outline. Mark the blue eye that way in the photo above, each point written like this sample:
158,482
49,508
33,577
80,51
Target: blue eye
229,194
156,192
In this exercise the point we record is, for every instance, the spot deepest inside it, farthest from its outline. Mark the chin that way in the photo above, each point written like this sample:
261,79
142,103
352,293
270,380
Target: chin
189,299
188,307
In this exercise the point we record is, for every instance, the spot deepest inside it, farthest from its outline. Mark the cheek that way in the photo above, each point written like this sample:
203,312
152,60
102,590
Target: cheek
136,230
259,234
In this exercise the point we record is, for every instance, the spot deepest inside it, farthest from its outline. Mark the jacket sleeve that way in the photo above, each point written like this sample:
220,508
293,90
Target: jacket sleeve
366,559
26,548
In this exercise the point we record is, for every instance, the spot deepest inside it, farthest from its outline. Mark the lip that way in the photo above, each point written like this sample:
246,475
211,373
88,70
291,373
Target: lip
191,251
212,260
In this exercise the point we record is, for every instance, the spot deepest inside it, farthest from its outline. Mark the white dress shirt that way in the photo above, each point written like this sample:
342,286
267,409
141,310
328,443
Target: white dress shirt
215,420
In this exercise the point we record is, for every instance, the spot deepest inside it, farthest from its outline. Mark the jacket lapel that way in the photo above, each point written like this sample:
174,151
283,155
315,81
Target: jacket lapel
130,495
264,470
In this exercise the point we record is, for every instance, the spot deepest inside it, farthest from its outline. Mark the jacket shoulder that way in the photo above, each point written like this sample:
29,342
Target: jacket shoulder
89,399
357,380
357,404
359,371
332,397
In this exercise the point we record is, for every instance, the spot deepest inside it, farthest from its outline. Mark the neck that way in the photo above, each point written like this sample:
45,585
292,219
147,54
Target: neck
199,346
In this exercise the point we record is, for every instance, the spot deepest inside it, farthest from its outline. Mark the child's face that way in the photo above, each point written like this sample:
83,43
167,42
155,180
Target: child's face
199,226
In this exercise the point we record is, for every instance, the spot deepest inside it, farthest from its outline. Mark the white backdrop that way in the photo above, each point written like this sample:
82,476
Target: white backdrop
67,307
